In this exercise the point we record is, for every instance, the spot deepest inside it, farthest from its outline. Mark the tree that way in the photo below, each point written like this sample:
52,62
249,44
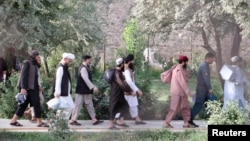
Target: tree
48,24
205,17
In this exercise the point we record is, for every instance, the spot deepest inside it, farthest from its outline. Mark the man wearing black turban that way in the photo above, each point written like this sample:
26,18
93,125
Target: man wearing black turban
132,100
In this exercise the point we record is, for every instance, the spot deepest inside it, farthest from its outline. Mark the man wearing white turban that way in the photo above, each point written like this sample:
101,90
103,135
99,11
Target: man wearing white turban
62,87
234,88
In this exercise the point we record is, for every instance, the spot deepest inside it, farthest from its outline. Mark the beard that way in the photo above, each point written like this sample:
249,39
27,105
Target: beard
185,66
35,62
131,66
122,68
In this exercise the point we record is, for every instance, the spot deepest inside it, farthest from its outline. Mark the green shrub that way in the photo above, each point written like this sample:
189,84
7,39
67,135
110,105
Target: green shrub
58,125
7,97
230,116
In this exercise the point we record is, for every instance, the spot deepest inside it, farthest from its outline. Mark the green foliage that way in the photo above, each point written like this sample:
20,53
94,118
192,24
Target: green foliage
58,125
135,44
212,20
230,116
144,135
134,40
240,10
7,97
49,24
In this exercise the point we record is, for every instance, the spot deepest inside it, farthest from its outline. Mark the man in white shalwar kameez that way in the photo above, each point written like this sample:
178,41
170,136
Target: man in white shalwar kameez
62,85
234,88
132,100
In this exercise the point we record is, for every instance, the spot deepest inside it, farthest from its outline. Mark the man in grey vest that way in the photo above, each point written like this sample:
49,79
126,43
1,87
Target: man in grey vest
84,93
29,84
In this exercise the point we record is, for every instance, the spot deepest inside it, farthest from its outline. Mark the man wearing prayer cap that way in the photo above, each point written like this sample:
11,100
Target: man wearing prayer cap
68,56
118,103
203,86
119,61
234,88
62,87
235,59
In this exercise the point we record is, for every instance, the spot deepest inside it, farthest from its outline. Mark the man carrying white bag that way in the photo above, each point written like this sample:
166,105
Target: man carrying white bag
62,87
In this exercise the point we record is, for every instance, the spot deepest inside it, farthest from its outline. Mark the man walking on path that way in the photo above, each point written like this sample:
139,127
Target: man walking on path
179,94
62,87
84,93
118,103
203,87
234,88
29,84
132,100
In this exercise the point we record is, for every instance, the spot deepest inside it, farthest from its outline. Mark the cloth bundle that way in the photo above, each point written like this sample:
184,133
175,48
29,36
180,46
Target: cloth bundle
20,98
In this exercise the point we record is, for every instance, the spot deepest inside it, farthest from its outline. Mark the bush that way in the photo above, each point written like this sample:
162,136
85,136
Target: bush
58,125
230,116
7,97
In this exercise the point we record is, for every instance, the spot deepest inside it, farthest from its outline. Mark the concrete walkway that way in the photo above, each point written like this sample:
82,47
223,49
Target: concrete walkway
88,127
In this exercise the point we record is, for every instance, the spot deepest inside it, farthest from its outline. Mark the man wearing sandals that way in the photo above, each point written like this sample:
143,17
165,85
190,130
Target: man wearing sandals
179,94
62,87
84,93
29,84
118,103
132,100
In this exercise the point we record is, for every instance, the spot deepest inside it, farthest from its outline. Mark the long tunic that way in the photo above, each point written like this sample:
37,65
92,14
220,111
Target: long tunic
129,77
179,95
234,89
118,104
203,83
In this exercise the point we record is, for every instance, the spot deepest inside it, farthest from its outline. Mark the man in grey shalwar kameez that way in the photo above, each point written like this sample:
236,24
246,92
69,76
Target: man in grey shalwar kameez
234,88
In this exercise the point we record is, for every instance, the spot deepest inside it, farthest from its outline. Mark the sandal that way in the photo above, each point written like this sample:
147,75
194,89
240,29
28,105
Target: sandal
98,122
167,125
140,122
43,125
113,128
188,126
122,124
75,123
16,124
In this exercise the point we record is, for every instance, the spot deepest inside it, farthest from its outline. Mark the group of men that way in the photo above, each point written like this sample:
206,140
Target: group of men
179,90
124,93
123,96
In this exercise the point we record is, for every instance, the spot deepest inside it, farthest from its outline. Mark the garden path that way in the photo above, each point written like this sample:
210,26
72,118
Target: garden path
88,127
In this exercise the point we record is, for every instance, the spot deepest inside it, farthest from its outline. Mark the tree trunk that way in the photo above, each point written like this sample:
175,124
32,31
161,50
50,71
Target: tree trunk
217,53
46,67
236,41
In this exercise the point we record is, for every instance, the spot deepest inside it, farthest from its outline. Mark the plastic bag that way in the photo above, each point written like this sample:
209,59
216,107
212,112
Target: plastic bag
57,103
54,103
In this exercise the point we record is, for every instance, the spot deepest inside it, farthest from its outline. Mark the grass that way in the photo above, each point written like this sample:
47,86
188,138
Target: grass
155,135
162,91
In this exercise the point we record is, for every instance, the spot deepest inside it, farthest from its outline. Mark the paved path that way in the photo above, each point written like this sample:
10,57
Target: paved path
88,127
